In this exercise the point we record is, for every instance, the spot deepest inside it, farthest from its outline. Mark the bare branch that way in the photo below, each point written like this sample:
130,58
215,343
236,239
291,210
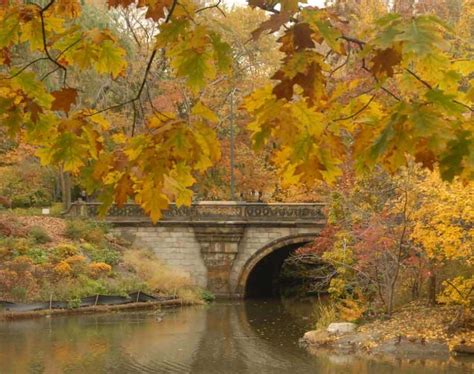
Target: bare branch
130,27
211,7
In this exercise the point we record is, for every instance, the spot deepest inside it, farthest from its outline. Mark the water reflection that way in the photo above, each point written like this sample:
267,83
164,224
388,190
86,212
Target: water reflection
230,337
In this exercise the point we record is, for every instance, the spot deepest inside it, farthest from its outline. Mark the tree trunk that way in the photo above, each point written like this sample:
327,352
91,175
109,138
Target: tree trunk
65,189
432,288
391,297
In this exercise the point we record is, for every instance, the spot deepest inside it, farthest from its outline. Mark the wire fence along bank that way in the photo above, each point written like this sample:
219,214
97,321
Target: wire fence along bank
134,297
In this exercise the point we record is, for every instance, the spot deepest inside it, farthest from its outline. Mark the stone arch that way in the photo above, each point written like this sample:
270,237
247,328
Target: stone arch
264,252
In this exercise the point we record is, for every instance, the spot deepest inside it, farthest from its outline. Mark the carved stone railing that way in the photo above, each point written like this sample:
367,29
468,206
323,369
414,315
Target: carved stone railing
210,211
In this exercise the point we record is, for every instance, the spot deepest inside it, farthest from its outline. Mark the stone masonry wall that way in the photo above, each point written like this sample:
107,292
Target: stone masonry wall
178,247
175,246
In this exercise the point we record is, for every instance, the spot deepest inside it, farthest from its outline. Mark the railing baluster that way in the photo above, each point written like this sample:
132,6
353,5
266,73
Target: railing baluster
251,212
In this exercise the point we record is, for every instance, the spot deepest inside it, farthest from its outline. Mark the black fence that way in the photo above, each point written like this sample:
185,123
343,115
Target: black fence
134,297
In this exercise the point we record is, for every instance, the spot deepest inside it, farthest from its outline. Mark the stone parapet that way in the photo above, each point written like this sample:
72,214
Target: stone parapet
211,212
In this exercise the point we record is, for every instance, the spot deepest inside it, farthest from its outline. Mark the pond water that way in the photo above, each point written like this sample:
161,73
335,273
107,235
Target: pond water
226,337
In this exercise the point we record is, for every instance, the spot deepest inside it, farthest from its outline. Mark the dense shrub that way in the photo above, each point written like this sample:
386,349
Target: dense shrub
17,280
18,246
101,254
77,264
63,251
10,226
99,270
27,184
39,235
38,255
207,296
92,232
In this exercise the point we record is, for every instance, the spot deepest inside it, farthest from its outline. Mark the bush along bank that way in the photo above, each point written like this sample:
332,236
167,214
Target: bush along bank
44,259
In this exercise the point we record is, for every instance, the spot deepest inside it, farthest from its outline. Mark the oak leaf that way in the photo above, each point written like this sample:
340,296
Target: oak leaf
63,99
273,24
123,189
384,61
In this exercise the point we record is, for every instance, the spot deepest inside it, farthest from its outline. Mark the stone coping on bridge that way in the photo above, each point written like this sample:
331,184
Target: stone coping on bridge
215,212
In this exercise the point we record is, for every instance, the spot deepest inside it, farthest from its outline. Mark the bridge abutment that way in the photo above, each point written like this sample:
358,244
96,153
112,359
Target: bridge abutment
219,247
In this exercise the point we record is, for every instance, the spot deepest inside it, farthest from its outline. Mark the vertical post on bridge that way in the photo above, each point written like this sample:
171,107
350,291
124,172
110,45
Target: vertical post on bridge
232,145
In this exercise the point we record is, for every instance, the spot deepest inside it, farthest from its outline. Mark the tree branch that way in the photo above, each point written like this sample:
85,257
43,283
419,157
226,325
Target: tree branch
44,59
27,66
458,291
211,7
341,65
349,39
49,73
356,113
45,44
430,87
145,75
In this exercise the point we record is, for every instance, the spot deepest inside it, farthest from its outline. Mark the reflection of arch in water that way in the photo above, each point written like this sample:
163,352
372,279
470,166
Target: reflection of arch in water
274,253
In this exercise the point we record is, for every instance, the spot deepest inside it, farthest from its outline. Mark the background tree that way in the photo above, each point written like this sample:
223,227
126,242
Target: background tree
398,87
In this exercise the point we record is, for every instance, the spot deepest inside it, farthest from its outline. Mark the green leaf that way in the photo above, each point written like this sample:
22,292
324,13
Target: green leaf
421,37
34,88
195,66
425,121
9,29
32,33
331,35
222,53
84,55
446,102
110,59
199,109
171,33
451,163
68,150
386,136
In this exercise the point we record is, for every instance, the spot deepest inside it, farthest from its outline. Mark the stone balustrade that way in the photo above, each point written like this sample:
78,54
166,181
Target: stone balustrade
210,211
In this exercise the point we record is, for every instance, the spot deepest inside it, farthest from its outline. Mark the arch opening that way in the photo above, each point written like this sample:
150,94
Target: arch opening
265,278
269,273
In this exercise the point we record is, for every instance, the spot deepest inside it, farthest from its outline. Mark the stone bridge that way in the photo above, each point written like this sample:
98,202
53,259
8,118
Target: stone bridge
223,246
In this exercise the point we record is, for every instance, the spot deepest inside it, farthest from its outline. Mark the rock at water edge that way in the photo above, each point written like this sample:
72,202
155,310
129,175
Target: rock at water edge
341,327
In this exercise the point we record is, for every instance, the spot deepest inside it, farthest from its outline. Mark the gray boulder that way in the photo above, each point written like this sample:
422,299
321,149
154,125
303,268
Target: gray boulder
341,327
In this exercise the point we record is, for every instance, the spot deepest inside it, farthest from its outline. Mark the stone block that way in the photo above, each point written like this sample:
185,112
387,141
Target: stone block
341,327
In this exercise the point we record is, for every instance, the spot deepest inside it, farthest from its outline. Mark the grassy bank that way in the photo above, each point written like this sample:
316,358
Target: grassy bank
46,258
